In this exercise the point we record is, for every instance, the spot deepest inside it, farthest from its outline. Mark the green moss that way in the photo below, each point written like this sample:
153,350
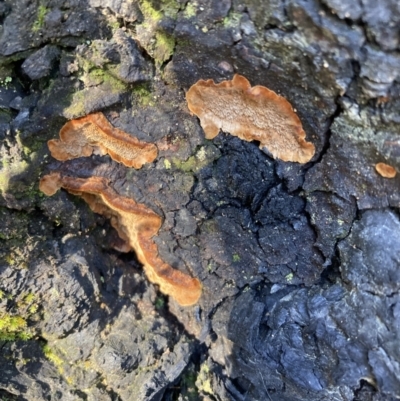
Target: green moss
33,309
5,82
232,20
14,322
77,105
157,43
187,165
153,12
10,260
149,12
211,266
98,76
91,76
13,327
189,386
53,357
114,25
204,156
41,15
18,169
164,47
190,10
289,277
167,164
210,227
235,258
10,170
28,298
143,95
203,381
160,303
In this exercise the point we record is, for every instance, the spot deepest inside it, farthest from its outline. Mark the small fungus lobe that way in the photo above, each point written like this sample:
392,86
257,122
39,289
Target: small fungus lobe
136,225
385,170
250,113
94,134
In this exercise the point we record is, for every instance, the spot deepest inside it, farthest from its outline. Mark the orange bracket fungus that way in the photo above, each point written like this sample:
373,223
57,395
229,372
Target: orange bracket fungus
250,113
385,170
94,134
136,224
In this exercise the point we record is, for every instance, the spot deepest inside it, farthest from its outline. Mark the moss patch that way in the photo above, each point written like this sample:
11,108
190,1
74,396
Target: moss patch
143,95
19,165
14,322
51,355
203,381
164,47
77,105
289,277
204,156
9,170
188,385
98,82
154,11
158,44
167,164
232,20
42,11
235,258
190,10
5,82
97,76
13,327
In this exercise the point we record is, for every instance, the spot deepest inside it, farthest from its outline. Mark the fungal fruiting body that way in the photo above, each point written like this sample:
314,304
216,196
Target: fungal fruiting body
94,134
136,225
385,170
250,113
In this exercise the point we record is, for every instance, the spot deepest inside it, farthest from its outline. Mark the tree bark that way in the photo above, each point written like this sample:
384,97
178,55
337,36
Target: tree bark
299,263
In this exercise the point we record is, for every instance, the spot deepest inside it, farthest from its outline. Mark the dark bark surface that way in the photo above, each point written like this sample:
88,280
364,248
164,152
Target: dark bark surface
300,264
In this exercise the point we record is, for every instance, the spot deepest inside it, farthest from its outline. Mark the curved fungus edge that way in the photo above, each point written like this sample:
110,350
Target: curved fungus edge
136,224
94,134
250,113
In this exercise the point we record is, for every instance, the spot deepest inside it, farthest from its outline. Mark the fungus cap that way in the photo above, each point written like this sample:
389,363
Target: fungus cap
136,225
94,134
250,113
385,170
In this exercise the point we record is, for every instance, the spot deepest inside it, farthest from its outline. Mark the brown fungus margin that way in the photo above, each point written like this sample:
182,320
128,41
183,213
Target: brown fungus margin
94,134
136,225
250,113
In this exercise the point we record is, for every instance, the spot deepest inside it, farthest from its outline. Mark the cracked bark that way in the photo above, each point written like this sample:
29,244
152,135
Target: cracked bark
299,264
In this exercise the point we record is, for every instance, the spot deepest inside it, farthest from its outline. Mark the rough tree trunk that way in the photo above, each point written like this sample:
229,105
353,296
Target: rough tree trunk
300,264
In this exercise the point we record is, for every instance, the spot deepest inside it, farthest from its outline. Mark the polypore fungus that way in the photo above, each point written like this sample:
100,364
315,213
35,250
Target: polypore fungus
94,134
136,224
250,113
385,170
